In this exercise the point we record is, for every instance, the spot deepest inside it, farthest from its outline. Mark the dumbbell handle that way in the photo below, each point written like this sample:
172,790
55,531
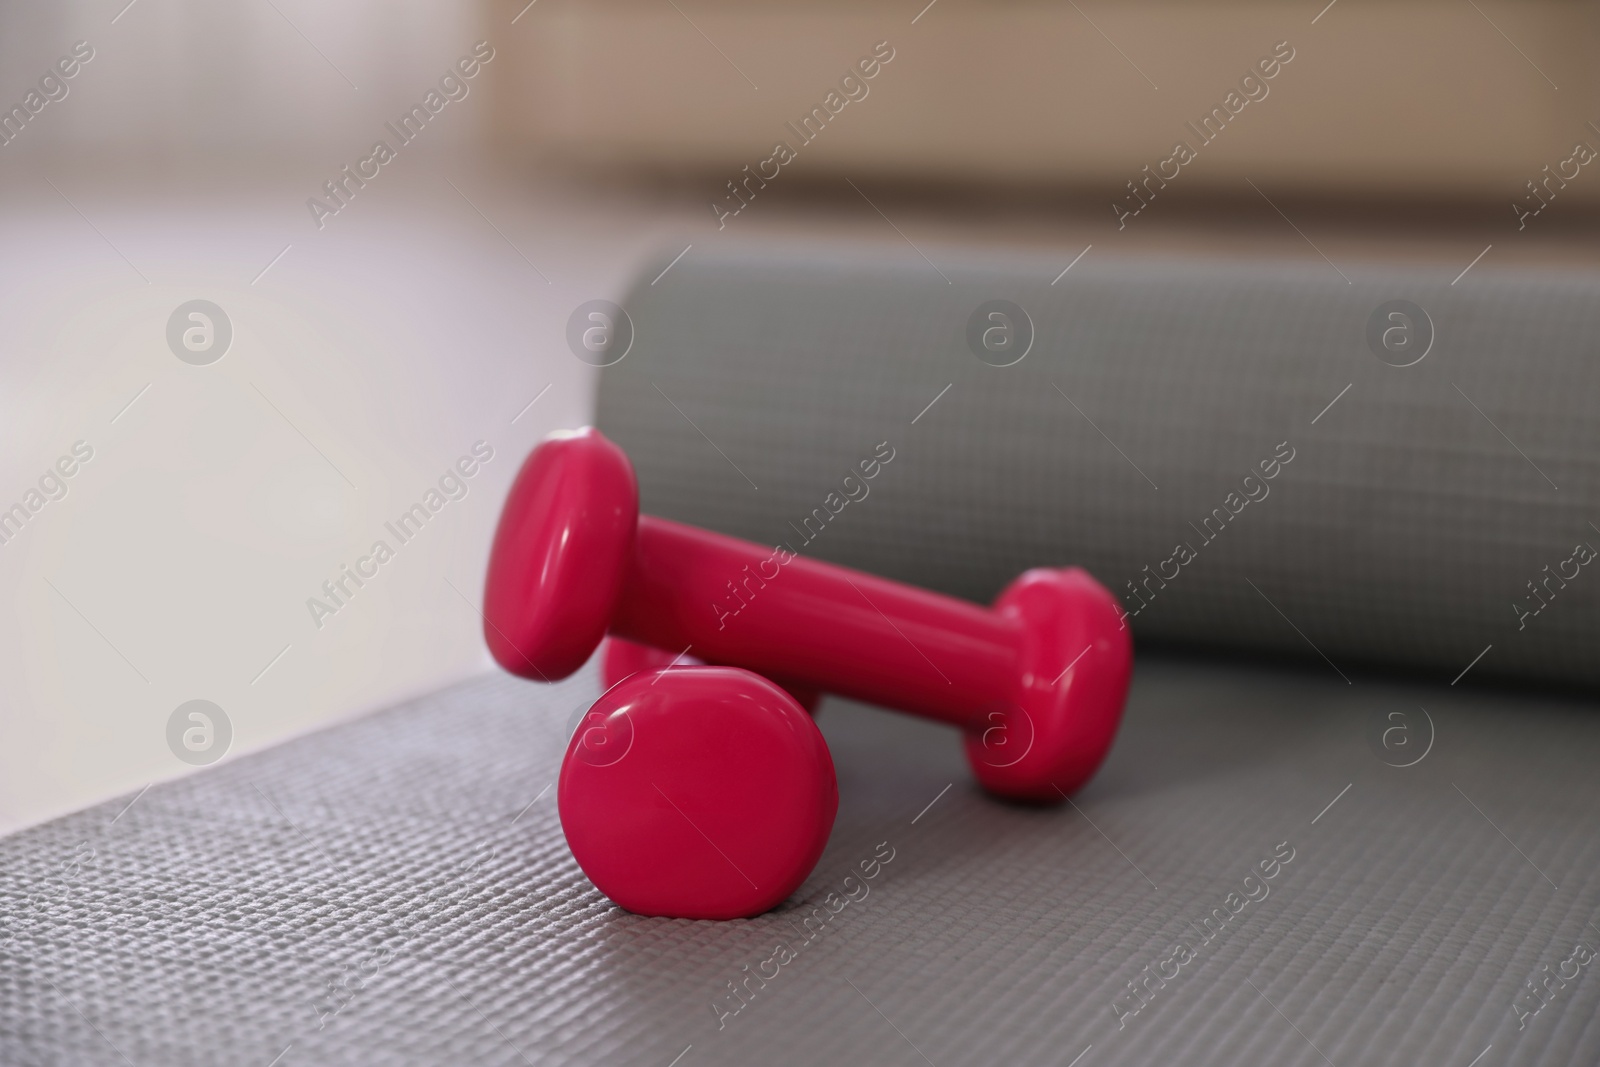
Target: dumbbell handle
840,630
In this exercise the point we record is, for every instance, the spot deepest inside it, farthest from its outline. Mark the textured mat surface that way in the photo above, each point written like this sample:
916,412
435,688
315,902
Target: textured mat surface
1428,511
397,891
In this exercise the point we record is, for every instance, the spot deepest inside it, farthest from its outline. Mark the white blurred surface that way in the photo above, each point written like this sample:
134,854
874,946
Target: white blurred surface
368,355
187,81
363,364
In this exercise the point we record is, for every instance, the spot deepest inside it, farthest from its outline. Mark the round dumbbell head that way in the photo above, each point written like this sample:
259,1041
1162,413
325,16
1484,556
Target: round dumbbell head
697,793
1053,731
560,555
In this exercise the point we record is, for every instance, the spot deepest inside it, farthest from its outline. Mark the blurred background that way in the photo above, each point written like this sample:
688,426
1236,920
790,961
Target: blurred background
372,317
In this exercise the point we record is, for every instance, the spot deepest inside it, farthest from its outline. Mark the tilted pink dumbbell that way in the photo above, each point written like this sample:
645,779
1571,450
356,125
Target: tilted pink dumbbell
1037,682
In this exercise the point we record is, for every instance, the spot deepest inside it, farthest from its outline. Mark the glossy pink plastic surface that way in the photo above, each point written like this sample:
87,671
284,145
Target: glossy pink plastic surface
560,554
1040,719
697,793
1038,682
621,657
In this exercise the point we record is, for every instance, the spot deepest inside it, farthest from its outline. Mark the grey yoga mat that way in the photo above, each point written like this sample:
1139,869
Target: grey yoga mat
396,891
1392,470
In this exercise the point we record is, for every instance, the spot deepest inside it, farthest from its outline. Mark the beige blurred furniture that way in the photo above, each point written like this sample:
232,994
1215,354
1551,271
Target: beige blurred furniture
1430,98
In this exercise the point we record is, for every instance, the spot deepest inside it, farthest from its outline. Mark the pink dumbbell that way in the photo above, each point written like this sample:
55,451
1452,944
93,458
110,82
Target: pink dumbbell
697,793
622,657
1036,682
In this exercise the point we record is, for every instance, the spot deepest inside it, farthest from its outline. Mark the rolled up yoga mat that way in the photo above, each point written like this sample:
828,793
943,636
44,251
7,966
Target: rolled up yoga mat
1392,470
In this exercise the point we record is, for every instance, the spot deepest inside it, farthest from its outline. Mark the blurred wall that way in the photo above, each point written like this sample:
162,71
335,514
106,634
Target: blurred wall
368,355
185,80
